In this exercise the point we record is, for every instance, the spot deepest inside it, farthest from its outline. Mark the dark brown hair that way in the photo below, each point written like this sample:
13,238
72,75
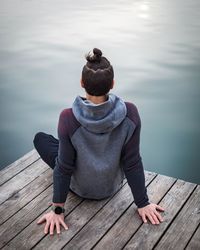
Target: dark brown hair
97,74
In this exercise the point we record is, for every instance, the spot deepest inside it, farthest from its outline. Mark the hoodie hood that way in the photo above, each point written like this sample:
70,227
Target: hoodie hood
99,118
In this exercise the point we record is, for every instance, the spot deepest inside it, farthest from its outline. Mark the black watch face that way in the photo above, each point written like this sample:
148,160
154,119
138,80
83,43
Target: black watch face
58,210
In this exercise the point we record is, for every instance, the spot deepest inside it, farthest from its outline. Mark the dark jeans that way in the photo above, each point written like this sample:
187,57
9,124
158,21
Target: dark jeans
47,147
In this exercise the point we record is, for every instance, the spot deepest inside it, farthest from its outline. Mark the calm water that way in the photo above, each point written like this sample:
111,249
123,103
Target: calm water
154,47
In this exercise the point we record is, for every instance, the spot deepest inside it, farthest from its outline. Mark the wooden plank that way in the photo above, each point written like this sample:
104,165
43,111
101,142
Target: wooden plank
13,165
96,211
33,233
101,222
194,243
130,221
24,217
184,225
17,166
148,234
29,213
24,196
14,185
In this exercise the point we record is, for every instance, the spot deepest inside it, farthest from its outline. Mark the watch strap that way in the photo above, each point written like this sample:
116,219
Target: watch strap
59,208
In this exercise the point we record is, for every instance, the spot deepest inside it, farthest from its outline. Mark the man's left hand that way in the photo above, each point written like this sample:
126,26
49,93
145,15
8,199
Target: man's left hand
151,213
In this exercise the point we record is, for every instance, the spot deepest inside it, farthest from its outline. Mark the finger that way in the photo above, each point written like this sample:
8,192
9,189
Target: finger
63,224
159,216
58,227
41,220
150,218
155,218
144,218
160,208
52,228
46,228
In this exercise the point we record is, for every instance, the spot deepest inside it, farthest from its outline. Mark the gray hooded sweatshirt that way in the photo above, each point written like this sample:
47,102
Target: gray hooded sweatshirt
98,148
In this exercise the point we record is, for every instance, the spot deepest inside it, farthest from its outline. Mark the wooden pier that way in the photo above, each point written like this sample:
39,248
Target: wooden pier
112,223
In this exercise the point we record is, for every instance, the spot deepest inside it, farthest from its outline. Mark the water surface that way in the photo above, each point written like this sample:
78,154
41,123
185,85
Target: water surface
154,47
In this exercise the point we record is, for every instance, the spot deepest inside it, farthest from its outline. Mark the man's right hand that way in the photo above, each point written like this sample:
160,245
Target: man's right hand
52,220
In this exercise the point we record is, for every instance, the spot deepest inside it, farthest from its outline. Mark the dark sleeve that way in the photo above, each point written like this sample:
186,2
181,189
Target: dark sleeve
65,161
132,161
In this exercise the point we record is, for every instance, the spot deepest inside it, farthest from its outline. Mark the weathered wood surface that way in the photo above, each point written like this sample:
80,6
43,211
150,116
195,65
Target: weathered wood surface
130,221
17,166
24,196
184,224
19,181
194,243
112,223
147,235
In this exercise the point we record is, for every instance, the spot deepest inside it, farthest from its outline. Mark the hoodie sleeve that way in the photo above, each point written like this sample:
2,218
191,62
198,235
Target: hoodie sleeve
65,161
132,161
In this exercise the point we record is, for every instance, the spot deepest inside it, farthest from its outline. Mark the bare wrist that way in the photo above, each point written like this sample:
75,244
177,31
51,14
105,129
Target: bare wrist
58,204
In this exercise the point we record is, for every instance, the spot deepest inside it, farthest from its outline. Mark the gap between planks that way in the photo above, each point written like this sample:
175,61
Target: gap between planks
19,165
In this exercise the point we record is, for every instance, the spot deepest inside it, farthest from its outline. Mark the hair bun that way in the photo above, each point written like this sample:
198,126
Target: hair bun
95,57
97,52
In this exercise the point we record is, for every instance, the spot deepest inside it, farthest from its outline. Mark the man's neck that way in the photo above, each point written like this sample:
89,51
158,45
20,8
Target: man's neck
97,99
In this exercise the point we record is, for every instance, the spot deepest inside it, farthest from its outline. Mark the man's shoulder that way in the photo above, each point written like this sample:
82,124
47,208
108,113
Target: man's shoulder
68,120
66,112
131,107
132,112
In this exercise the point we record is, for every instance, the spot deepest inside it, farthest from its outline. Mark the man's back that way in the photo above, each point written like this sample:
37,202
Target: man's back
98,171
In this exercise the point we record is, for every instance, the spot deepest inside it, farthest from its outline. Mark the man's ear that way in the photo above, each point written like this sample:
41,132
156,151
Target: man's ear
82,84
113,83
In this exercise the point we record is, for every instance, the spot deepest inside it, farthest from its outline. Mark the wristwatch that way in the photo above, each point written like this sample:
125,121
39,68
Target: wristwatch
58,209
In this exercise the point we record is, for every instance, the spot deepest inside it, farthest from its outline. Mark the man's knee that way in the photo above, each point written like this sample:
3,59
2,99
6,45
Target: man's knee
37,138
